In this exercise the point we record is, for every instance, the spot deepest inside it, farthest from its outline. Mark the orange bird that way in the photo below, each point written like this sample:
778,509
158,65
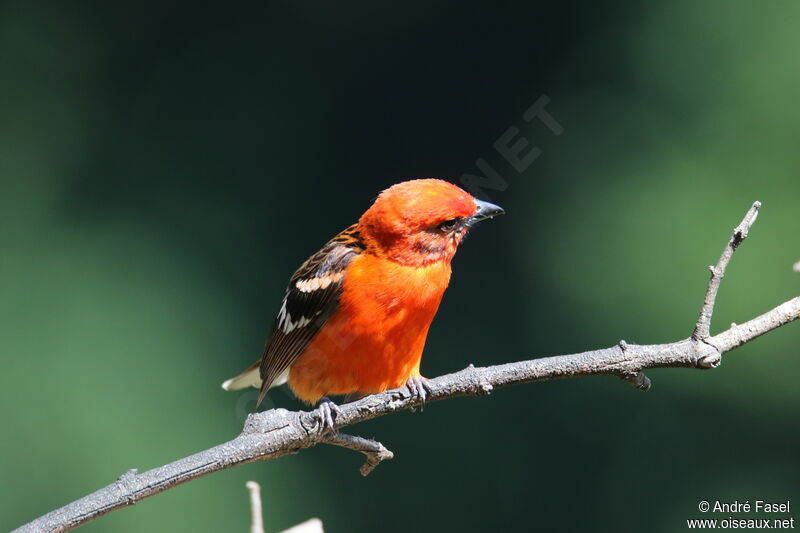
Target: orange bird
356,314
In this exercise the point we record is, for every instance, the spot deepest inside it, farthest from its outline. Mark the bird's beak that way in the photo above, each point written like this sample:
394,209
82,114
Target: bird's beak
485,210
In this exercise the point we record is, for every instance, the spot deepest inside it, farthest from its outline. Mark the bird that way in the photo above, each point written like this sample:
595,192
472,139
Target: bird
356,314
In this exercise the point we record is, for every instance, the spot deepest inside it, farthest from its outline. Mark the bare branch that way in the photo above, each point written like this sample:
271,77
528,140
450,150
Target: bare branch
743,333
256,514
373,450
278,432
702,329
312,525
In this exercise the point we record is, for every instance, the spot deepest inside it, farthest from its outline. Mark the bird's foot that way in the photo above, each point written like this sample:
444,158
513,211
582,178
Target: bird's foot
419,388
326,412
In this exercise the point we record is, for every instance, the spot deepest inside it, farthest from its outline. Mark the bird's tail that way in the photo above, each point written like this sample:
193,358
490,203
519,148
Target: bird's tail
252,378
249,378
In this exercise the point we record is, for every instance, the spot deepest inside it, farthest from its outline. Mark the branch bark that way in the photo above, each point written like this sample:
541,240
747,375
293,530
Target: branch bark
740,232
278,432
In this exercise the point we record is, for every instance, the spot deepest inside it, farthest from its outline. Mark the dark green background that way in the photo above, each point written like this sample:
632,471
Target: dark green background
165,166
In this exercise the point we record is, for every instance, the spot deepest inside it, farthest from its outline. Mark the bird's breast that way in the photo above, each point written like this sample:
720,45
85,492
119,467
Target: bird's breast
379,293
375,339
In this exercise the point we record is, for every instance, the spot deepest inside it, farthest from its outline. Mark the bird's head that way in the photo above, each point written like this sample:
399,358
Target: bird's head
420,222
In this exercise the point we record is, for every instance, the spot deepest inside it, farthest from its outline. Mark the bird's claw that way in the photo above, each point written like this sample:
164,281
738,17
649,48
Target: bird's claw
419,388
327,412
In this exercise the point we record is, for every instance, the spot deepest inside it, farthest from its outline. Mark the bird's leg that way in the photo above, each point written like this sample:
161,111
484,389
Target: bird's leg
327,411
419,388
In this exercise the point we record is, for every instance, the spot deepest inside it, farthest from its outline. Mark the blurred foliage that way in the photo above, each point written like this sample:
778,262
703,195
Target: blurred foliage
164,166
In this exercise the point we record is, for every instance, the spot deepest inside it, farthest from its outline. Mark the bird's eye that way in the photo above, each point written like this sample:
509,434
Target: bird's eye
448,225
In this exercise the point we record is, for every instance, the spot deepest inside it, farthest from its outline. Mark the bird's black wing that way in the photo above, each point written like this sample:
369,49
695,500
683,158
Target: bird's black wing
311,298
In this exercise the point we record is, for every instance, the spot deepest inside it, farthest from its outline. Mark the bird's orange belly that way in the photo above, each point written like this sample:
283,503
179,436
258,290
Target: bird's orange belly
374,341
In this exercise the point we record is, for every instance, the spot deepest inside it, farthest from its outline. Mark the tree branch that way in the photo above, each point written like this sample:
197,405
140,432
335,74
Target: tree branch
278,432
373,450
256,514
740,232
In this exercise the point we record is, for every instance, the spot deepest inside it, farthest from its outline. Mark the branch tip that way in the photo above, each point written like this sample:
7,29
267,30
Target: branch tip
374,451
312,525
742,230
702,329
256,514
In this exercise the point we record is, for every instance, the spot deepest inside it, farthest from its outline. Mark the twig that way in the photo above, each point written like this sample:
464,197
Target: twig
256,514
373,450
279,432
702,329
312,525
